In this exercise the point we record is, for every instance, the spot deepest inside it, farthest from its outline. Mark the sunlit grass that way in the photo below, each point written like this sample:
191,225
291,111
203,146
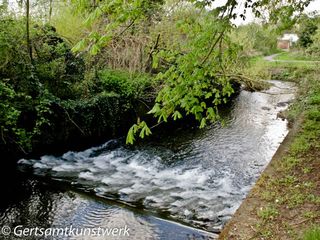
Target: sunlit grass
295,56
312,233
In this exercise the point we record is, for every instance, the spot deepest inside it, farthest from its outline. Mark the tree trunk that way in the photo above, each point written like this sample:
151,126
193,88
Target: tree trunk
29,46
50,10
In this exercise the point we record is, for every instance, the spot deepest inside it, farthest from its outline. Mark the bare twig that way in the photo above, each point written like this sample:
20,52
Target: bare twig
156,125
305,220
3,136
148,107
219,38
126,28
250,83
74,123
19,145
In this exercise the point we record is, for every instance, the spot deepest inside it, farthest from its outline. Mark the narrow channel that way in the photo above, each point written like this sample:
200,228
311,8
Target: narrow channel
186,186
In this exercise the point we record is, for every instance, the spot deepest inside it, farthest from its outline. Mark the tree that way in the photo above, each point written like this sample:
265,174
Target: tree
307,30
199,68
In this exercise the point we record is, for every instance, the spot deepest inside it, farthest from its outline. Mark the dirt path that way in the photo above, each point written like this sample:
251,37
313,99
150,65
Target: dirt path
271,58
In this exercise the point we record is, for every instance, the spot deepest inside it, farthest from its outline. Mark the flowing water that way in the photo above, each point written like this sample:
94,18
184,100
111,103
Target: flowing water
168,189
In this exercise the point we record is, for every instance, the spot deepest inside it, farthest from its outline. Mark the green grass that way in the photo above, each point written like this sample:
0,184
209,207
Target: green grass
295,56
268,213
312,233
259,68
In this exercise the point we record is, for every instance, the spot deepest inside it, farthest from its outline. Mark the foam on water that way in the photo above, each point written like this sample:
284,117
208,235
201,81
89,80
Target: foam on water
200,181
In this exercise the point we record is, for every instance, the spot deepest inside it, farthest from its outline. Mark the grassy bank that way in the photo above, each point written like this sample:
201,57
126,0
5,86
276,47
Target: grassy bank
295,56
285,202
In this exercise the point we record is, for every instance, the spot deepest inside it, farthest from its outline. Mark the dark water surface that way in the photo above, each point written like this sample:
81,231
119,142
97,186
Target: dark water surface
171,189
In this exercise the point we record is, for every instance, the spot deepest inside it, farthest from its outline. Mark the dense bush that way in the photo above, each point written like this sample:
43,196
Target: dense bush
84,122
314,49
129,85
55,66
29,86
308,28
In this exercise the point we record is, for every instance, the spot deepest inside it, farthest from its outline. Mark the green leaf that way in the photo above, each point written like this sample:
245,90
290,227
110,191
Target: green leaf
80,46
145,131
203,123
176,115
130,136
155,62
163,117
155,109
104,40
208,95
94,49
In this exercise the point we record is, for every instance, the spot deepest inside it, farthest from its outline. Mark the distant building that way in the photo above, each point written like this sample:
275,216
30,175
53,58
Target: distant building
287,41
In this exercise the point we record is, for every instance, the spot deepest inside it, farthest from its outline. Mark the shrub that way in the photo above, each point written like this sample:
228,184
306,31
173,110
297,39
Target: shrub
129,85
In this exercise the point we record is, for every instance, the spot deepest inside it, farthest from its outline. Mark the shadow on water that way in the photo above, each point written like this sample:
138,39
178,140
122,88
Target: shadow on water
195,177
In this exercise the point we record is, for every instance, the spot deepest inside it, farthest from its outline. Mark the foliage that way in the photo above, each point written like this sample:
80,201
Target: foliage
106,114
193,72
180,50
29,86
17,111
256,39
135,128
278,12
54,64
9,117
313,49
195,59
308,29
118,14
196,81
128,85
197,77
15,64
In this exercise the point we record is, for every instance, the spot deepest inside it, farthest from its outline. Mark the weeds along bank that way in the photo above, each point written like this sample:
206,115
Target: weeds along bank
284,203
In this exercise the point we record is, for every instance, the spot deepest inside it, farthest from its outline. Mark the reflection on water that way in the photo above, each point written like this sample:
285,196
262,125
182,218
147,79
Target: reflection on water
45,206
197,177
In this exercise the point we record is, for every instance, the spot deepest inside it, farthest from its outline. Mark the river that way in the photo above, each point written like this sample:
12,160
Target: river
185,186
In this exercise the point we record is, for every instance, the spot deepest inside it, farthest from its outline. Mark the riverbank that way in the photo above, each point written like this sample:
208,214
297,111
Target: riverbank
285,202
